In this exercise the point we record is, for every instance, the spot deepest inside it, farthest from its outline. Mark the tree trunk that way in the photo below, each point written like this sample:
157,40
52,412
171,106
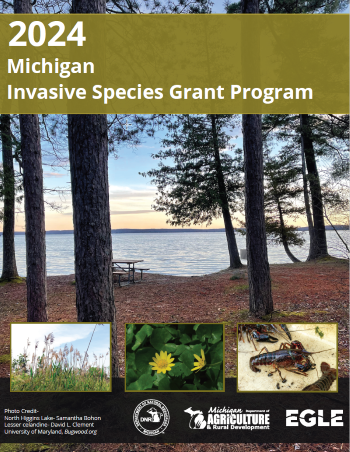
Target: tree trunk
284,239
88,155
34,205
9,268
260,295
312,247
235,261
35,218
320,248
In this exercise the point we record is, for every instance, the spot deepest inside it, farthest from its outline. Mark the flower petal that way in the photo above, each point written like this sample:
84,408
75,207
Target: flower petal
203,355
197,357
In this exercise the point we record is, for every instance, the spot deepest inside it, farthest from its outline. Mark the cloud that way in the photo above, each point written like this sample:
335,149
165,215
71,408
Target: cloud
130,212
47,174
120,192
63,334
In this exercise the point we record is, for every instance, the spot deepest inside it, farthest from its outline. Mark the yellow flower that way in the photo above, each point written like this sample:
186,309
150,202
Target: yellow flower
162,363
201,362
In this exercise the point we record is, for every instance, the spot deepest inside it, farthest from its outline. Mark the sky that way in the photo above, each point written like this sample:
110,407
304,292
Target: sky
131,195
78,335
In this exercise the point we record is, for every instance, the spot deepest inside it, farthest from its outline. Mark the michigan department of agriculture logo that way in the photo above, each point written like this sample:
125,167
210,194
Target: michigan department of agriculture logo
151,417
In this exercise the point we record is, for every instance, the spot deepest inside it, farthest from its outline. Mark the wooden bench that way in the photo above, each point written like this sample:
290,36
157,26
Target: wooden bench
119,273
136,269
142,270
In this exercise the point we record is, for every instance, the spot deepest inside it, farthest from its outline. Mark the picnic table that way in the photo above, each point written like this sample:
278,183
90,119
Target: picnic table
119,270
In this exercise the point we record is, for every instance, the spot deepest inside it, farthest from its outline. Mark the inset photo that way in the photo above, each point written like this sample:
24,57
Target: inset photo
61,357
174,357
292,357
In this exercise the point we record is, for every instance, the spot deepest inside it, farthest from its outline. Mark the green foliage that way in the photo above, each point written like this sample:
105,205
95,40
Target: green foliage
282,191
319,332
183,341
292,6
190,174
60,379
5,358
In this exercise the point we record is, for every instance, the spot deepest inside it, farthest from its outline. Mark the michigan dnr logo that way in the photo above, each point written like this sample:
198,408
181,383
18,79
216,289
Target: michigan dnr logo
228,419
151,417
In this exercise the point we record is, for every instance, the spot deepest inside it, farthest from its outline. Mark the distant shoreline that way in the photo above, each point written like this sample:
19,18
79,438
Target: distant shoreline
150,231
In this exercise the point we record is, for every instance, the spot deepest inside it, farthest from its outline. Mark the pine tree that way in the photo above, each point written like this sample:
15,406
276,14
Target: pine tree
88,155
282,193
260,294
9,267
202,182
33,205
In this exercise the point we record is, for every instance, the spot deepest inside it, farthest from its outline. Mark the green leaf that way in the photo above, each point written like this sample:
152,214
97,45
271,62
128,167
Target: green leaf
180,349
213,372
186,328
216,353
170,348
164,384
141,335
131,376
129,334
158,378
173,331
187,358
180,370
159,338
130,361
196,350
212,331
185,339
142,359
220,381
144,382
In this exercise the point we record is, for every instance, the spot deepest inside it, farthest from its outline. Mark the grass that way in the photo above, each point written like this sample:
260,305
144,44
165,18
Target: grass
65,370
235,289
18,280
5,358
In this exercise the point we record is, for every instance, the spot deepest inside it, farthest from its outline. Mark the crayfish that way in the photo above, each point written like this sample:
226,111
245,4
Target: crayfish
291,356
325,382
260,332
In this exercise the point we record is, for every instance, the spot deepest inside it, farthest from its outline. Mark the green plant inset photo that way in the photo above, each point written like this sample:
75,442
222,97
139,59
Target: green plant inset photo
174,357
60,357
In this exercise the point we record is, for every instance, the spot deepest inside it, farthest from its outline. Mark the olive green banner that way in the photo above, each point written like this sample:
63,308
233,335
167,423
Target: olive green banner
174,63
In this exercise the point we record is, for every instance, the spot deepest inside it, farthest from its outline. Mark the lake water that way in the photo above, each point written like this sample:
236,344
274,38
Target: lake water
177,253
